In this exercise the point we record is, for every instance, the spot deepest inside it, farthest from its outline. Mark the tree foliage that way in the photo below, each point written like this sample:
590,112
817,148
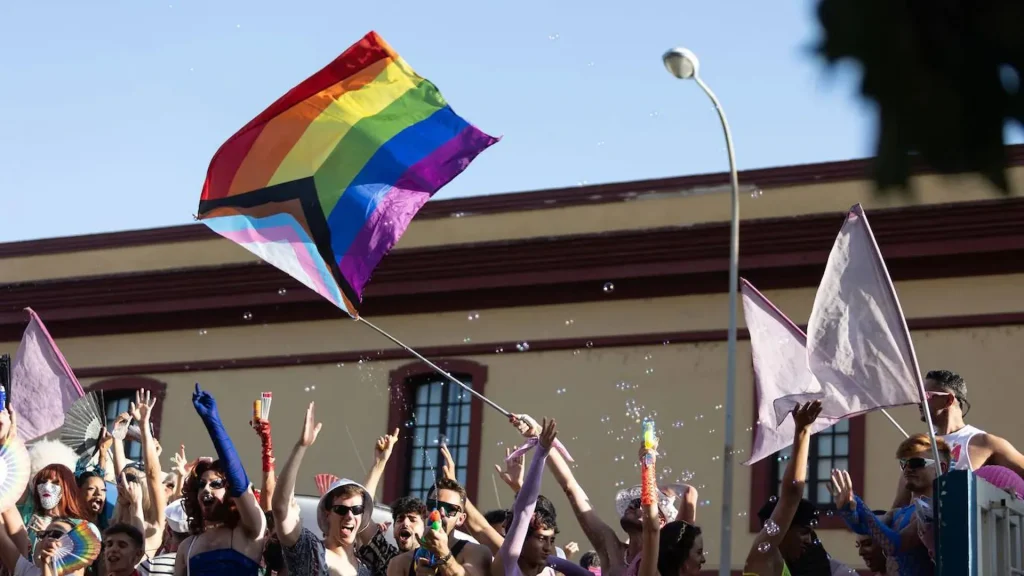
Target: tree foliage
945,75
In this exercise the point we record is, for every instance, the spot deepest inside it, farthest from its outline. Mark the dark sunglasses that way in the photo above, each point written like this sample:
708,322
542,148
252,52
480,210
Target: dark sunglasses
342,510
216,484
450,510
55,533
915,463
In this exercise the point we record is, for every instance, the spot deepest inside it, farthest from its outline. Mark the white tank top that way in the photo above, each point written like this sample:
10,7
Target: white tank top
958,442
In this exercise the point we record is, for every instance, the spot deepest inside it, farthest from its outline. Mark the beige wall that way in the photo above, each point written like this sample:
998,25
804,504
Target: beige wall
684,383
649,210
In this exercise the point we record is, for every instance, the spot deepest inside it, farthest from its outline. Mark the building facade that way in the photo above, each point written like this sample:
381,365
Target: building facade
597,306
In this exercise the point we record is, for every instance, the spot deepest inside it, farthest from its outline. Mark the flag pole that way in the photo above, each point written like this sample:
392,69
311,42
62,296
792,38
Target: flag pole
894,423
435,367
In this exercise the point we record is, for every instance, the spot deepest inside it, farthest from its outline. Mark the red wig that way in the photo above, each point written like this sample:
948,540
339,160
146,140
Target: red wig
62,476
190,498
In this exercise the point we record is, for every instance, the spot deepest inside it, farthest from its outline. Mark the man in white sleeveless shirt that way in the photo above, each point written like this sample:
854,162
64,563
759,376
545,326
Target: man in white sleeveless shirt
971,447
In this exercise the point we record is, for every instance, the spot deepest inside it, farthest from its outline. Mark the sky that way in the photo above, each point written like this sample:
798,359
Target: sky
111,110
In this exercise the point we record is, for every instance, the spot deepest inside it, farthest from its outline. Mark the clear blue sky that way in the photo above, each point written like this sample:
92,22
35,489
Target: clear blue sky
111,110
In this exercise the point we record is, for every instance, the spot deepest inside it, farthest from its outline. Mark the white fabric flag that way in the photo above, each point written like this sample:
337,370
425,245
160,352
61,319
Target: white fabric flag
43,386
858,344
780,370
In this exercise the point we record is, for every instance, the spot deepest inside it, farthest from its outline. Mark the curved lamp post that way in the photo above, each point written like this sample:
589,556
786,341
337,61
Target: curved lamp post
683,64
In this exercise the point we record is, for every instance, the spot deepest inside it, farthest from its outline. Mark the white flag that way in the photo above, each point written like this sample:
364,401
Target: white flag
858,345
780,372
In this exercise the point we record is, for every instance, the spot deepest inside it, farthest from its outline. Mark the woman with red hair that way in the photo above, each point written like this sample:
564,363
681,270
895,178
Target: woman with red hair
54,495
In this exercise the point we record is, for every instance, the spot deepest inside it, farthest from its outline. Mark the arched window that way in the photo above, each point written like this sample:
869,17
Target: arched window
119,393
428,410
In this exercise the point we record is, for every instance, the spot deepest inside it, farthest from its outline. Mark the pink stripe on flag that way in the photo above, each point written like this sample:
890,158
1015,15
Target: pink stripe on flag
283,234
43,386
398,207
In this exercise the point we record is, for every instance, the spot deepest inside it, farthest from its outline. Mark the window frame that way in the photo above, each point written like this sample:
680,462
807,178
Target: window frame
402,391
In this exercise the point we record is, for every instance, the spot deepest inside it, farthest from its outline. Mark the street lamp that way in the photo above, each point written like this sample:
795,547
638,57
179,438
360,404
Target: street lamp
683,64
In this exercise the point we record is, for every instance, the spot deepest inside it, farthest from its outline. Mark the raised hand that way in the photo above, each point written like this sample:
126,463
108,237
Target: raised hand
204,403
178,462
385,444
570,550
310,428
448,467
549,431
142,408
514,471
526,425
842,489
805,415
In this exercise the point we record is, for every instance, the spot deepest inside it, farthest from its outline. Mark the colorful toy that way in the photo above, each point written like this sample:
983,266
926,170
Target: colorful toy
649,486
435,520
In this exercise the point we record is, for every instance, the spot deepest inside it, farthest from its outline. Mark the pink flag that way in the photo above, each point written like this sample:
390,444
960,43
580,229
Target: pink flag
779,349
858,344
43,386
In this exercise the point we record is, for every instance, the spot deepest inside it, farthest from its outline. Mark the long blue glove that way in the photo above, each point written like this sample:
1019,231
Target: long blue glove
206,407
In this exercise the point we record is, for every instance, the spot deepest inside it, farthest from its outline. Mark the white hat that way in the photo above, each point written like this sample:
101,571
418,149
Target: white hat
321,509
177,520
627,495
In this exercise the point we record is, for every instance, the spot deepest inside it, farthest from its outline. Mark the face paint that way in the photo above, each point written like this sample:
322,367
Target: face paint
49,494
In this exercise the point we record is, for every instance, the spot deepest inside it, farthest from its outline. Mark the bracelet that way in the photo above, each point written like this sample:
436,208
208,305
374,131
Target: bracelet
444,559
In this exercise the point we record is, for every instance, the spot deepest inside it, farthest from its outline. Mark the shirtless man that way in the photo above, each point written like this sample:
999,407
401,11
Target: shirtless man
228,528
971,447
344,511
453,557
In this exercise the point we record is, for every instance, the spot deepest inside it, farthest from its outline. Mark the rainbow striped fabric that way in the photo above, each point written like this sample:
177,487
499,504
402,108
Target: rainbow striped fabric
325,181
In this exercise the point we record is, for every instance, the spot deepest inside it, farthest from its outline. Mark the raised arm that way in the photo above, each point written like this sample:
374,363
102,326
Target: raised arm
252,520
286,517
791,492
262,428
526,502
12,517
476,524
141,410
652,530
382,453
601,536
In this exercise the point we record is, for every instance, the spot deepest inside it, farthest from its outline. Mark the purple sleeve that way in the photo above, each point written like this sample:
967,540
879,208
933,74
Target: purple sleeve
567,567
522,512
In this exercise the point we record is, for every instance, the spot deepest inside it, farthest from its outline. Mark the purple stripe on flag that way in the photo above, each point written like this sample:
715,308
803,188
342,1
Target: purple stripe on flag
398,207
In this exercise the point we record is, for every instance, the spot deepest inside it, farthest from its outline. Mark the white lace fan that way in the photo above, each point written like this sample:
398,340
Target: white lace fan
83,423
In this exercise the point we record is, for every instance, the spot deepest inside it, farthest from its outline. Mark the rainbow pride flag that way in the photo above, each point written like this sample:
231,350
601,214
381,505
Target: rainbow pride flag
324,182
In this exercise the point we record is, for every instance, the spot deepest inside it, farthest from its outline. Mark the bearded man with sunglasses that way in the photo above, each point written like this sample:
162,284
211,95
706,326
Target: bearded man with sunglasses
894,533
971,447
440,553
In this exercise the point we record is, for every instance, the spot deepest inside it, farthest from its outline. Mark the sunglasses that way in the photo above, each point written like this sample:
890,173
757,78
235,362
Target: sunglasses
131,478
449,510
342,510
934,394
915,463
213,484
55,533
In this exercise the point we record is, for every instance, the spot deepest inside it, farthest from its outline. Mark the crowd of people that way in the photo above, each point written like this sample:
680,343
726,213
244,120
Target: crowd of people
205,517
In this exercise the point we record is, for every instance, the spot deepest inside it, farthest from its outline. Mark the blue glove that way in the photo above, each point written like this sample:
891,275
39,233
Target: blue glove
206,407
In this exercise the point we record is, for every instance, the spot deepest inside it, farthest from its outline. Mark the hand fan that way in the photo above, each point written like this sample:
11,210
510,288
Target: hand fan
82,424
265,400
324,481
15,469
79,548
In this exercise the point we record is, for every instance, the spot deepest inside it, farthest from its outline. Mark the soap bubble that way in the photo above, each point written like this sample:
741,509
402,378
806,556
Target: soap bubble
764,547
570,322
523,346
247,316
771,528
608,288
202,332
773,498
473,316
756,193
590,344
282,291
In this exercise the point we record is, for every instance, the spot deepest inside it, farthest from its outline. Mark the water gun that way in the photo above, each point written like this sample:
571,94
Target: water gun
435,520
422,552
648,484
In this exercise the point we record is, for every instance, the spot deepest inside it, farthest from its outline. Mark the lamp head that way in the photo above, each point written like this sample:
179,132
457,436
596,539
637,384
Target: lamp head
682,63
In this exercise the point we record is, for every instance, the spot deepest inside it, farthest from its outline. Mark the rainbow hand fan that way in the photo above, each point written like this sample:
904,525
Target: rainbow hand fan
79,548
324,481
15,468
